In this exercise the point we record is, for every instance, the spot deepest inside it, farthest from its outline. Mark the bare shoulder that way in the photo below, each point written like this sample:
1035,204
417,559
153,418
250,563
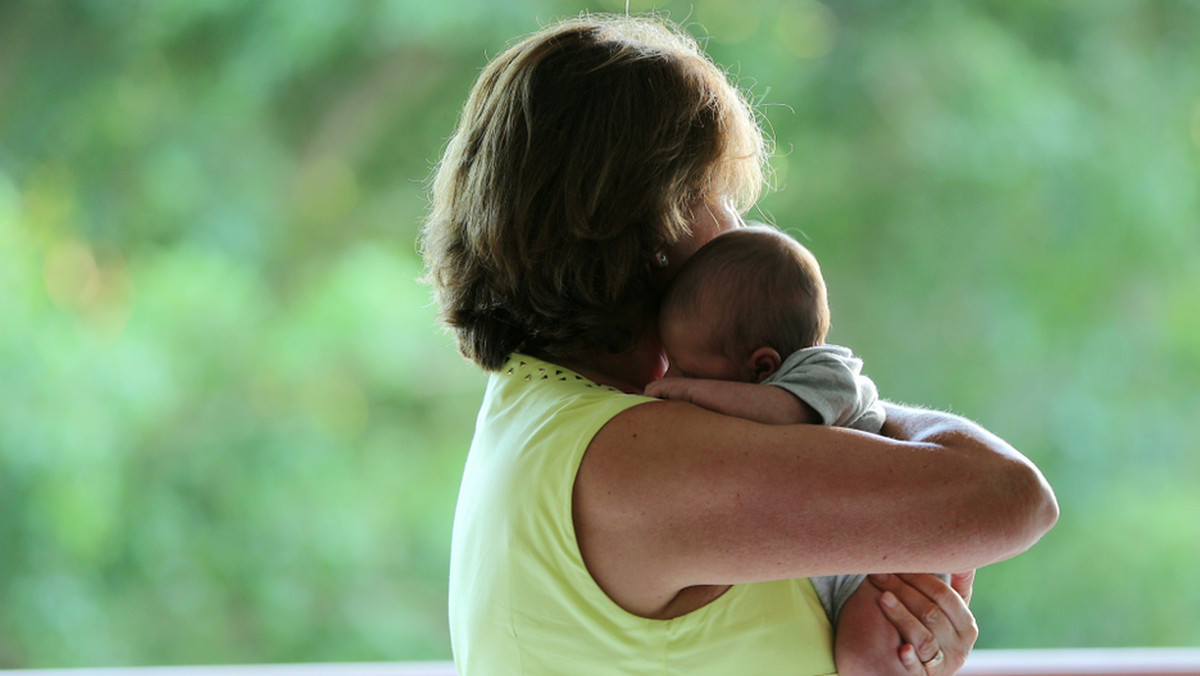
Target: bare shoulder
627,500
672,503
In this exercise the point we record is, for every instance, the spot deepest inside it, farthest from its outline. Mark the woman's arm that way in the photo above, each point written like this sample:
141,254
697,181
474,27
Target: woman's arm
670,497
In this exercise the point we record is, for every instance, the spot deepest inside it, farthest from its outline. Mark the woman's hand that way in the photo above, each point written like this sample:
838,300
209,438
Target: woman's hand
933,619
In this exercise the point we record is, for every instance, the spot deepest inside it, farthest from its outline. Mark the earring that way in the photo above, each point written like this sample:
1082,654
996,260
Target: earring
660,259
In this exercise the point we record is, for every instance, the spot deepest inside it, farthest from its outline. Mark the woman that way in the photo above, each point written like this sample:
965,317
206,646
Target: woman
599,531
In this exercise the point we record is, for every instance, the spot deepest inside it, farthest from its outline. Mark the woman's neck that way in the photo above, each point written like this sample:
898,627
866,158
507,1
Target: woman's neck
629,371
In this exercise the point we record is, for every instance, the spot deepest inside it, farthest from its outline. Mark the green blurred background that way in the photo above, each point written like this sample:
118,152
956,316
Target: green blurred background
230,430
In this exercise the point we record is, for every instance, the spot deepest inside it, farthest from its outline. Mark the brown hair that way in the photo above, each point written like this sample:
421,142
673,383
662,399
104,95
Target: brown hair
767,287
578,154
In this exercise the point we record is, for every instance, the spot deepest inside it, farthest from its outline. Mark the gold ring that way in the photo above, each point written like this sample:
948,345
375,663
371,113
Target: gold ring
935,660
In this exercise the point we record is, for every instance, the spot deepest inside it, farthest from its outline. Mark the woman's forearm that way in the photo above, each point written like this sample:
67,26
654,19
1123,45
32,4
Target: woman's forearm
1030,506
692,497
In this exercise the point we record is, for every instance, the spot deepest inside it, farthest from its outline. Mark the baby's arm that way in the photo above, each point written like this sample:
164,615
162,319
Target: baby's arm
761,403
866,643
829,378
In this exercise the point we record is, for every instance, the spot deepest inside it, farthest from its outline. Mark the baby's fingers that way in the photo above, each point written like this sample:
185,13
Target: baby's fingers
667,388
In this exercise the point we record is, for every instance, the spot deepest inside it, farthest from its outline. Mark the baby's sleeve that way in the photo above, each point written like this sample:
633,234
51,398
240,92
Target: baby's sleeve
834,590
829,378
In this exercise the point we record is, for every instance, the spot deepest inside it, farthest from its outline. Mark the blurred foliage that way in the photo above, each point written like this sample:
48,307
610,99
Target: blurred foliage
231,432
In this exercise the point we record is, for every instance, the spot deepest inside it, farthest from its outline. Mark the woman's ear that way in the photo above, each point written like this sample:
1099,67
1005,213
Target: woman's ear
763,362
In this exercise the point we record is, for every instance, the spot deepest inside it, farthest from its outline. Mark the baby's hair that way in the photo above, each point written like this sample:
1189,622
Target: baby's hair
755,287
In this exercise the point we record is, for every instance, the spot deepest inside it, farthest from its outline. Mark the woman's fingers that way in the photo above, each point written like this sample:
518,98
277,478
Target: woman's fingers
950,603
913,630
912,663
932,618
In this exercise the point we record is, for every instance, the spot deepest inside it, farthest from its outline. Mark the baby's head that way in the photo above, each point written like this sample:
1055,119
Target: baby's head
741,304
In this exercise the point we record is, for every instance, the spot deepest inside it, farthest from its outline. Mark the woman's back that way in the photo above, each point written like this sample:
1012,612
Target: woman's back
523,602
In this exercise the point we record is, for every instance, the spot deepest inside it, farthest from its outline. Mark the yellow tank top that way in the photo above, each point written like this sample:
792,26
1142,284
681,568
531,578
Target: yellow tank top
521,600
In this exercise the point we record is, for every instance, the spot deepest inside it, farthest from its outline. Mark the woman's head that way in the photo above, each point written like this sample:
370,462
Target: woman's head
744,291
580,154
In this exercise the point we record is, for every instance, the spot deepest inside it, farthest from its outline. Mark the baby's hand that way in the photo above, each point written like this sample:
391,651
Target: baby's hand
675,389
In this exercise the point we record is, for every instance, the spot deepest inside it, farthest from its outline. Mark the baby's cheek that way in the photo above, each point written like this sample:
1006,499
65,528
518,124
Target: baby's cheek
671,371
661,368
662,371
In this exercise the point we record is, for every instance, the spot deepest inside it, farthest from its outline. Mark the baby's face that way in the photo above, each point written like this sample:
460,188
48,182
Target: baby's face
690,351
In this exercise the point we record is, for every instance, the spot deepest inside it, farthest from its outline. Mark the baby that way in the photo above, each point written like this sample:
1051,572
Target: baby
750,309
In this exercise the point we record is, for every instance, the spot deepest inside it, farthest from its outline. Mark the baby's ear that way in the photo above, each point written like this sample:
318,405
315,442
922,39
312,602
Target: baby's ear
764,361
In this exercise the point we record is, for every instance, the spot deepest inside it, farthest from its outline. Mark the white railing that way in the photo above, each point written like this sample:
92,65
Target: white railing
1083,662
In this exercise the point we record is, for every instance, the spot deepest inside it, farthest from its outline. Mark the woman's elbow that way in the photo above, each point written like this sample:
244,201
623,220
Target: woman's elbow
1033,508
1046,510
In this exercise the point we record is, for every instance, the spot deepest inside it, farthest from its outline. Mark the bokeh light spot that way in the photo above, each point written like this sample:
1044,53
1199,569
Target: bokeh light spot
49,199
806,29
98,289
326,189
336,401
728,22
71,275
10,203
